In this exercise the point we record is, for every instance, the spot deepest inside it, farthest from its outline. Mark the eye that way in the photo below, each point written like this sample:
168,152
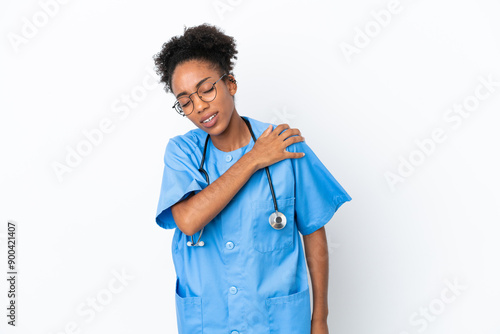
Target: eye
184,101
209,90
206,88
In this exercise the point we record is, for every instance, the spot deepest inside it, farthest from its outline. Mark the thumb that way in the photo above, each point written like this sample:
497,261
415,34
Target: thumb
268,130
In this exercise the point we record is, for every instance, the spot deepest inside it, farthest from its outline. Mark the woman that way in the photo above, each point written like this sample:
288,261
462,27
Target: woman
238,203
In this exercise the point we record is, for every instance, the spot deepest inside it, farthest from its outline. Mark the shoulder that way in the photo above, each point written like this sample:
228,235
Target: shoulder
191,141
258,126
185,147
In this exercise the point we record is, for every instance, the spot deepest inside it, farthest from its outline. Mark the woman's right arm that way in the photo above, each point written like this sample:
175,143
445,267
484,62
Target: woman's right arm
194,212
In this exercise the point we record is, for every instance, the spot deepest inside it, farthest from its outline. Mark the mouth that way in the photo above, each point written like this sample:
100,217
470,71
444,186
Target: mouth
210,121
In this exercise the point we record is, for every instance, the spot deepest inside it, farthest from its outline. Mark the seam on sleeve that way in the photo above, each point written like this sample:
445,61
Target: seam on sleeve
339,200
179,146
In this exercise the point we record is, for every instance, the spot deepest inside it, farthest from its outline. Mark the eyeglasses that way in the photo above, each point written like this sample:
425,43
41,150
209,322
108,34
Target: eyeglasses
206,92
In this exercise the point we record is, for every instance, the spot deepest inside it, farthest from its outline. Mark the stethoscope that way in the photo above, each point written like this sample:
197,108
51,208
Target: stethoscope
277,220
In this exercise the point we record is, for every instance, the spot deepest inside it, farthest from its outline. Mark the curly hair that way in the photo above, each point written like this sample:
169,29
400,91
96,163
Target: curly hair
204,42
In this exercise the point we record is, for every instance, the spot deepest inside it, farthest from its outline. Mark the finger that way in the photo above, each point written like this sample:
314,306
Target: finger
293,140
267,131
277,131
289,133
295,155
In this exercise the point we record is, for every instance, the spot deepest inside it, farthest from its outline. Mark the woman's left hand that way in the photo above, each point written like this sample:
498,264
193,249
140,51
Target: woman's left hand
319,327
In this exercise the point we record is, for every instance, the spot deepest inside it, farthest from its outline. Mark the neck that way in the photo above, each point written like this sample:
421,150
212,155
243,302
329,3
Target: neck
235,136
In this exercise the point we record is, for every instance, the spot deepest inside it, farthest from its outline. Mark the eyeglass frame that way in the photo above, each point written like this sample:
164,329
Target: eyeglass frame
192,102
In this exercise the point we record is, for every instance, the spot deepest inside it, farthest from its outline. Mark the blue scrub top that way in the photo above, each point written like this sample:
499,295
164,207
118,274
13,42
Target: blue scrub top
249,277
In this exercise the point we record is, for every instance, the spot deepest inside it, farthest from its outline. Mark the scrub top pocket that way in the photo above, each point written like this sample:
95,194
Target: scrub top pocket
290,314
265,237
189,315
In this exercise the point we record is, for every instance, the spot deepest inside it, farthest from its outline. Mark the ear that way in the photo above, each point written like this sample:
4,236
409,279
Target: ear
231,84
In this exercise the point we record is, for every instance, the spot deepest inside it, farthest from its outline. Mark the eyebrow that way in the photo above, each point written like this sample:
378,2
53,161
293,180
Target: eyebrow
197,86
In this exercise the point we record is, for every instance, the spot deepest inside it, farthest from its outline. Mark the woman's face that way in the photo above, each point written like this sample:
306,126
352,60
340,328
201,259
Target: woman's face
185,79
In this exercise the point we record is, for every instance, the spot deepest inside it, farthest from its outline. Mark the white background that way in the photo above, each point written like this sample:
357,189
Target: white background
392,249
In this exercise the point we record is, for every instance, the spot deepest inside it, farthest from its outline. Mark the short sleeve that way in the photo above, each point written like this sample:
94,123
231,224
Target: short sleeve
318,195
180,177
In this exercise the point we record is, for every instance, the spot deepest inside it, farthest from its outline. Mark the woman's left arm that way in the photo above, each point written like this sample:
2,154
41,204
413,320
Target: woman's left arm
316,249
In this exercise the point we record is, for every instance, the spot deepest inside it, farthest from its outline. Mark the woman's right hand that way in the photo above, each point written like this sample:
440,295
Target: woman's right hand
271,146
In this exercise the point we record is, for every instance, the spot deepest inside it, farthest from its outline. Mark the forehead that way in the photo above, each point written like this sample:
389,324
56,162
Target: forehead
186,75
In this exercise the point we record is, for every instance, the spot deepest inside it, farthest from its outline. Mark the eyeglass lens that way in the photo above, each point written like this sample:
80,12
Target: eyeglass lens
206,92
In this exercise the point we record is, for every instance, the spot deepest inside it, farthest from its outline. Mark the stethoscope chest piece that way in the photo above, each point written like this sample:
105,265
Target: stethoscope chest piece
277,220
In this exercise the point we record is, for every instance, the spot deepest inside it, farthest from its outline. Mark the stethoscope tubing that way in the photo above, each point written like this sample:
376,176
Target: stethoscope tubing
201,243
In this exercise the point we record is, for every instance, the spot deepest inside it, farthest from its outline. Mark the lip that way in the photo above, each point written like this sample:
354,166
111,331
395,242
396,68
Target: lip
212,122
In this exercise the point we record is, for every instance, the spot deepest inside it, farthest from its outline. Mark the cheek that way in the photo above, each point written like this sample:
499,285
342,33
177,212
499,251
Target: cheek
226,100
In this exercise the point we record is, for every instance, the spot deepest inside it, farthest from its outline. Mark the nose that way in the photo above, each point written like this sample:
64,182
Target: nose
198,104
